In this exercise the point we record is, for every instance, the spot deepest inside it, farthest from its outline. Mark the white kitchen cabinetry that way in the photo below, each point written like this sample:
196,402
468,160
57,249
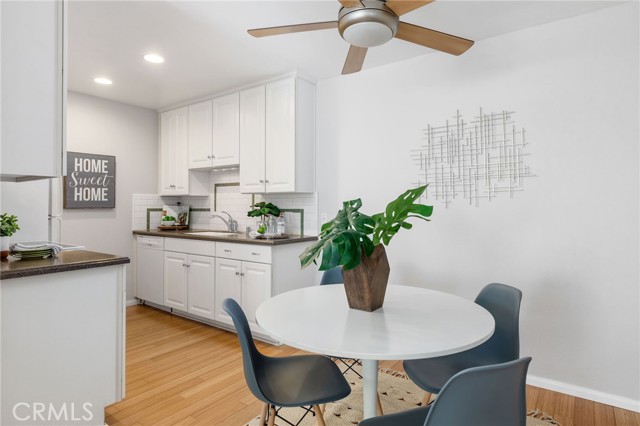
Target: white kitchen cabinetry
237,277
249,283
174,175
33,89
277,137
214,133
189,276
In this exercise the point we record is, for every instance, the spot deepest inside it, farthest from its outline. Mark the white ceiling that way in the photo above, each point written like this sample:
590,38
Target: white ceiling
207,49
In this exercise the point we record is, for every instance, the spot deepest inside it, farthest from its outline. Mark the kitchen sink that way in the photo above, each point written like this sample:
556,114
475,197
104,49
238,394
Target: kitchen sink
213,234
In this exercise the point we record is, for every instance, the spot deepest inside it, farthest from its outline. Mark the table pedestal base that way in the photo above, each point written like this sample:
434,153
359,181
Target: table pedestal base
370,387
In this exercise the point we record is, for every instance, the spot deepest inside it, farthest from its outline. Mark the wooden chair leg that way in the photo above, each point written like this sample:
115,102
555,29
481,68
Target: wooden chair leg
319,416
272,415
323,407
263,416
426,399
380,413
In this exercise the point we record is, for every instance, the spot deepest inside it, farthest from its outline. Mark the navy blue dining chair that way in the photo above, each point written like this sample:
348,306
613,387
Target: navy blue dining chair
294,381
503,302
490,395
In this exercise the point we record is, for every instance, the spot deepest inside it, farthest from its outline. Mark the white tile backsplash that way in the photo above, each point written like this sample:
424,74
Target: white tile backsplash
228,199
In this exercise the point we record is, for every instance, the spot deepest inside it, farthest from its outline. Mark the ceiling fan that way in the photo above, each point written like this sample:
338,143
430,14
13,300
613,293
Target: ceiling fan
369,23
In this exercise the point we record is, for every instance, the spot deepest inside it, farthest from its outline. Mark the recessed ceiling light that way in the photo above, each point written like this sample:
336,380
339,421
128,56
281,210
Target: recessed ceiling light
153,58
102,80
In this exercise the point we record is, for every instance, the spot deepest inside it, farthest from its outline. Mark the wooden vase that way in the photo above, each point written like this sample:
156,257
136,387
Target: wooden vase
366,284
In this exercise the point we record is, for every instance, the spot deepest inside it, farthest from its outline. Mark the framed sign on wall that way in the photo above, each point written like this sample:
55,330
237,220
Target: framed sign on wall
90,182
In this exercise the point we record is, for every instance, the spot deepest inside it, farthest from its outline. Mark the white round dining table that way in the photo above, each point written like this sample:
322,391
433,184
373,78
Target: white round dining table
413,323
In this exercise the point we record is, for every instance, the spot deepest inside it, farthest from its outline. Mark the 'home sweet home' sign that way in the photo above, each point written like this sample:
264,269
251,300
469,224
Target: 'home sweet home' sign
90,182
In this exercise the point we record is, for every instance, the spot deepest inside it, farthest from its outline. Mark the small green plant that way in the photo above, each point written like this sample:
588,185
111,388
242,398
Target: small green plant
168,219
262,209
8,225
344,239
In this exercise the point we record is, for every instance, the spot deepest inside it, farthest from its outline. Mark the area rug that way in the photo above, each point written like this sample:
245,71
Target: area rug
397,393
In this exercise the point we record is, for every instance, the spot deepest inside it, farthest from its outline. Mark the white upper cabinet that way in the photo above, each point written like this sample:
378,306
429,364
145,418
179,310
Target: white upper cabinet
200,134
33,89
252,137
226,131
174,175
214,133
174,148
283,144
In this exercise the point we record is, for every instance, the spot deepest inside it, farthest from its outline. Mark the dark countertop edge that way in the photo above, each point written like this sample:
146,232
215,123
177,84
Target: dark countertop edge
90,260
240,239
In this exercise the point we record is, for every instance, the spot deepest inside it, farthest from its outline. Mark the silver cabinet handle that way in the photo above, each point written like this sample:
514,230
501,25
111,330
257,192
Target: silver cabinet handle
261,181
227,251
242,274
266,181
237,273
255,254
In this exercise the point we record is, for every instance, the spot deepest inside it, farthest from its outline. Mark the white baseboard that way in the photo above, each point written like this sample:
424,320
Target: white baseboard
585,393
132,302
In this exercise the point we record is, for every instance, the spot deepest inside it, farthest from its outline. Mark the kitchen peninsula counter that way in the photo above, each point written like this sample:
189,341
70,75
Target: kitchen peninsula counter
62,334
239,238
65,261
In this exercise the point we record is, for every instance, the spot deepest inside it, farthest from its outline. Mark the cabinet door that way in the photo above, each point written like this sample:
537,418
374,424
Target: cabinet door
280,133
227,285
252,137
174,148
256,288
33,88
226,130
200,135
201,286
175,280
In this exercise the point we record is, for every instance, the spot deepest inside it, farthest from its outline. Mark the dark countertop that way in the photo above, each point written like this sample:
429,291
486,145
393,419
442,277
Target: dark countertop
65,261
240,238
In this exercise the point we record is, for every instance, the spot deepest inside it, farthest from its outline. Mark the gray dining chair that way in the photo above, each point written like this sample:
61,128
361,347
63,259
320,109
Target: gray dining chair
491,395
503,302
294,381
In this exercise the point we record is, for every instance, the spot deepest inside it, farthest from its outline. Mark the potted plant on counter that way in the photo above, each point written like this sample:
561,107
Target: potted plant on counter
261,210
356,242
8,227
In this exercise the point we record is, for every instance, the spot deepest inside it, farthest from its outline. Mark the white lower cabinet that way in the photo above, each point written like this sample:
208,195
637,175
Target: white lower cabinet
189,283
194,277
249,283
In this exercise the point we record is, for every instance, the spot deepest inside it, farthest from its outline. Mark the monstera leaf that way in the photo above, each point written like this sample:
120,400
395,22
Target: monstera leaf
343,240
395,216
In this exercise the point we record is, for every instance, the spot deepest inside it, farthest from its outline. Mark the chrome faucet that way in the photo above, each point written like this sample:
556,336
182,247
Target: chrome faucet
232,225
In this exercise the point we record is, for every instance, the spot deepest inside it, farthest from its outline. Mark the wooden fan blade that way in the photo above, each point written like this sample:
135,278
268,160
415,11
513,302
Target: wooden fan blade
355,59
350,3
433,39
288,29
400,7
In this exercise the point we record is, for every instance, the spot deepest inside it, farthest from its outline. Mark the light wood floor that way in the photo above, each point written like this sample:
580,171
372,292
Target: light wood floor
180,372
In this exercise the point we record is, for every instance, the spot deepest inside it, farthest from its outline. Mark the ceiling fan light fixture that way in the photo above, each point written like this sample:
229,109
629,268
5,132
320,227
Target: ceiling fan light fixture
369,26
367,34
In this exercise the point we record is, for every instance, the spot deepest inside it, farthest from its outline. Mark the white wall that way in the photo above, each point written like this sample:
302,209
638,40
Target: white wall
100,126
570,240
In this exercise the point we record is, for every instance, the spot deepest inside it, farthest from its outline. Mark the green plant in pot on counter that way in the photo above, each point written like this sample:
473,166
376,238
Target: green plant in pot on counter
261,210
355,241
8,227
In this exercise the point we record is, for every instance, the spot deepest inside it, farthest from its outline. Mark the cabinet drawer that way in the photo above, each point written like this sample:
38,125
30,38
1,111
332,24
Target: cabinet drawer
204,248
146,241
247,252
